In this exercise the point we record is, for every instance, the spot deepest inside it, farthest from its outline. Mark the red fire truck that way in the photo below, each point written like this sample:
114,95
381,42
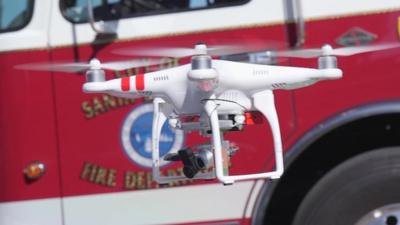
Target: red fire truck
70,158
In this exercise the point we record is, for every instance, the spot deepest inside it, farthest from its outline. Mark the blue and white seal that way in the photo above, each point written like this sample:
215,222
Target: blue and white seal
136,136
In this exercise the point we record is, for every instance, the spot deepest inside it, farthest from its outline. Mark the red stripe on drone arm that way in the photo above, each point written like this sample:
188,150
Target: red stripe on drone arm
126,84
140,82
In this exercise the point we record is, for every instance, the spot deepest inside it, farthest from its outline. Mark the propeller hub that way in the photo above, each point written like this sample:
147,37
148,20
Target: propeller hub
95,64
200,49
327,50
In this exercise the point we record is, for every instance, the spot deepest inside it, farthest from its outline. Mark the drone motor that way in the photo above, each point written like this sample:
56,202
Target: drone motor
202,71
95,73
327,61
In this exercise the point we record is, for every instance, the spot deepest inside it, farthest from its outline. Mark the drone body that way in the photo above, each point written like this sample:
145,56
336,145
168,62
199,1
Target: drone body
220,93
242,80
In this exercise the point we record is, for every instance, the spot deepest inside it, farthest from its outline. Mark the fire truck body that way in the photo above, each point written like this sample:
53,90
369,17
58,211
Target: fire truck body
95,148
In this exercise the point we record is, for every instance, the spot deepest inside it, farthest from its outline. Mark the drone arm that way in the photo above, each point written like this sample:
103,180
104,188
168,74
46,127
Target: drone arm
164,83
250,77
131,84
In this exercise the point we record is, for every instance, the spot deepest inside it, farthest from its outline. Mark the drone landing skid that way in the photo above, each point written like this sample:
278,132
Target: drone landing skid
262,101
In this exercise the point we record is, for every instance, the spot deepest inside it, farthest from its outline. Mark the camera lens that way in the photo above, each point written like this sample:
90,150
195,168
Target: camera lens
200,163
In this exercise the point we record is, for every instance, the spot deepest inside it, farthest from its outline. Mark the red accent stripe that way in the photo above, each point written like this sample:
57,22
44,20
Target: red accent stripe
126,84
140,82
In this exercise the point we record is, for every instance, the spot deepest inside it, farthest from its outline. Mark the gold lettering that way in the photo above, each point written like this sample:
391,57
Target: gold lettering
165,63
173,172
98,175
93,172
147,69
136,70
184,182
120,101
168,63
101,176
130,180
178,172
109,102
86,171
125,101
117,74
98,107
129,72
88,110
140,184
103,105
176,62
139,180
111,178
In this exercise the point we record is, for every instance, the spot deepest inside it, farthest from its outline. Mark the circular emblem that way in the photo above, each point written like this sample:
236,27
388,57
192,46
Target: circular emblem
136,136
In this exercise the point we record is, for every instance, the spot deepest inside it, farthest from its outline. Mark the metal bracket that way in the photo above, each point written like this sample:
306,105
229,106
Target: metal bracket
294,16
101,27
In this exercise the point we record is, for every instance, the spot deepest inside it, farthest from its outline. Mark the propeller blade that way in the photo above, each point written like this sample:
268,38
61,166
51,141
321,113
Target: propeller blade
56,67
348,51
93,64
184,52
327,50
128,64
213,50
244,46
301,53
223,50
157,52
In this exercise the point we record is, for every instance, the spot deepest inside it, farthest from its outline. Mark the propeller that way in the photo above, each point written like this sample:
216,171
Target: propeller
327,50
94,64
199,49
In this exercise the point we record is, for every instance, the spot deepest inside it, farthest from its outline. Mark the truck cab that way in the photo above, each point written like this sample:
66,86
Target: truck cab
90,154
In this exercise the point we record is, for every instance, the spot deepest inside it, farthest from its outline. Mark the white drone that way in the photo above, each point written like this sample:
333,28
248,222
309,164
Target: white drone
219,92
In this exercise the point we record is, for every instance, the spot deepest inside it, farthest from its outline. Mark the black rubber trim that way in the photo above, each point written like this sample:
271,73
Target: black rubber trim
356,113
31,5
242,2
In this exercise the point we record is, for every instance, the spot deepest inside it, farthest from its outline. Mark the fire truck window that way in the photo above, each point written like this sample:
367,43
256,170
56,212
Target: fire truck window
14,15
76,10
